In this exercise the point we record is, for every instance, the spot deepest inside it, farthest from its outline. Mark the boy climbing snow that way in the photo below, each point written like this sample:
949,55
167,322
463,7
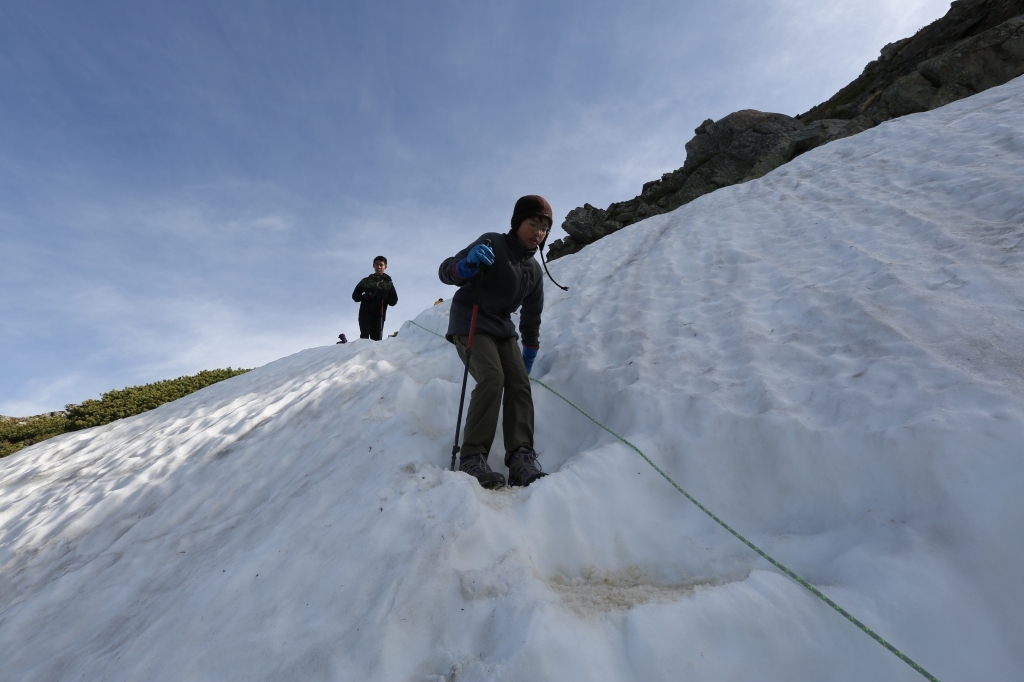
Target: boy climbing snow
374,294
499,273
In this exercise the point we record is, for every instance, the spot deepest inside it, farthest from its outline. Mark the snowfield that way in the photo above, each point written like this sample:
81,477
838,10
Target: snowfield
830,358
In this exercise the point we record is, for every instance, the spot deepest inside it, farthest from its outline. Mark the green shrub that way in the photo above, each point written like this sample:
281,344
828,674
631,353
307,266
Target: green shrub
118,404
16,434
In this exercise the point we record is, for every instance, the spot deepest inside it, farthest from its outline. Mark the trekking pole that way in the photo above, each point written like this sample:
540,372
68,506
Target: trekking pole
477,285
382,308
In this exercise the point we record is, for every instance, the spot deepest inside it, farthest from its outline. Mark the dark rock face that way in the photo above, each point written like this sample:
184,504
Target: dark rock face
977,45
975,39
970,66
742,146
585,224
979,63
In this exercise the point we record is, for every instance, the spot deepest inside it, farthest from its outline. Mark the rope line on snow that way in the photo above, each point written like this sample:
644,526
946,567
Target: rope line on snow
813,590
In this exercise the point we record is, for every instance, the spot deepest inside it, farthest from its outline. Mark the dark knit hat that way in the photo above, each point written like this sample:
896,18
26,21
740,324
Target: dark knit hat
381,258
530,206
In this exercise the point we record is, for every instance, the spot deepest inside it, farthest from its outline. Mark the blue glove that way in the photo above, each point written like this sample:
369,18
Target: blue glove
463,270
481,254
529,355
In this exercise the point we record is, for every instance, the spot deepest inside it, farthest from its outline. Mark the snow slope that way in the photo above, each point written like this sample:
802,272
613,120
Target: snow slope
829,358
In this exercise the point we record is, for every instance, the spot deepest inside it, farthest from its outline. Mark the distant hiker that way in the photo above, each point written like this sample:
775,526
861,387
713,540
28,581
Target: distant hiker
439,301
342,338
374,294
501,278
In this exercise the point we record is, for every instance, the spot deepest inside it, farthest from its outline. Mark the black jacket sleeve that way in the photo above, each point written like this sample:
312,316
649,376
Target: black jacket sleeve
357,293
446,273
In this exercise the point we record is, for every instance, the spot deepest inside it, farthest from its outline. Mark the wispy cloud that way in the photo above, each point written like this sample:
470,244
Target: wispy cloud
185,187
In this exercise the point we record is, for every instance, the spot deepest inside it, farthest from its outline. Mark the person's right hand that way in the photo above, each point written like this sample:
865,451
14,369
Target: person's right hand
481,254
463,270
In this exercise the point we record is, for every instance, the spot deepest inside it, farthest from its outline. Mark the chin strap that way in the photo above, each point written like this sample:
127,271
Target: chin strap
544,263
540,250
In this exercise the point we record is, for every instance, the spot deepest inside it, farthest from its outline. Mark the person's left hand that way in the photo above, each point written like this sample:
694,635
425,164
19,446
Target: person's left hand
529,355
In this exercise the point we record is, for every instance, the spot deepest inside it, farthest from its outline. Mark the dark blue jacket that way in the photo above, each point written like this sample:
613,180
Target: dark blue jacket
513,281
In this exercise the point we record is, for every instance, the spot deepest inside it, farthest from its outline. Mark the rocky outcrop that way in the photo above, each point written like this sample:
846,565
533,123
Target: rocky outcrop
977,45
742,146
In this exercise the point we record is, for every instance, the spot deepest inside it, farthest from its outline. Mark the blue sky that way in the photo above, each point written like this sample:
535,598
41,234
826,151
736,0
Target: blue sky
189,185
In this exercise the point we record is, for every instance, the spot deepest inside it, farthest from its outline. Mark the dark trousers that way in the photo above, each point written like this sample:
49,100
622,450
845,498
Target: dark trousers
370,328
501,382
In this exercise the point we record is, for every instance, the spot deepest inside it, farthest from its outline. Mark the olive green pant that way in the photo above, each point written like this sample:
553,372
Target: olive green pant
497,366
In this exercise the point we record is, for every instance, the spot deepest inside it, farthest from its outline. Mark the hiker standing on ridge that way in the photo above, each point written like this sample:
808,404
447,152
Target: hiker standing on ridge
374,294
498,272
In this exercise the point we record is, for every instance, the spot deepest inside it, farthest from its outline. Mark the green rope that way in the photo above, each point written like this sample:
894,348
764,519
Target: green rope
427,330
815,591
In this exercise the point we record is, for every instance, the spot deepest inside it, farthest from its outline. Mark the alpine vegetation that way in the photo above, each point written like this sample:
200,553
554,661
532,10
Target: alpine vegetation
17,433
827,358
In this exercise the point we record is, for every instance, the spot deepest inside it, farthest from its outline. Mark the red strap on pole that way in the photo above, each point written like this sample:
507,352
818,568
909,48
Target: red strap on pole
472,327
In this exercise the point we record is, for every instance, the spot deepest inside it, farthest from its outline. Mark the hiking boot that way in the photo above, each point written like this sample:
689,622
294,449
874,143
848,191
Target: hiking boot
523,468
476,466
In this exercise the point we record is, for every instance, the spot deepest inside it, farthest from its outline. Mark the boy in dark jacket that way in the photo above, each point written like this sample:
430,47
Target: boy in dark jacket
499,272
374,294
